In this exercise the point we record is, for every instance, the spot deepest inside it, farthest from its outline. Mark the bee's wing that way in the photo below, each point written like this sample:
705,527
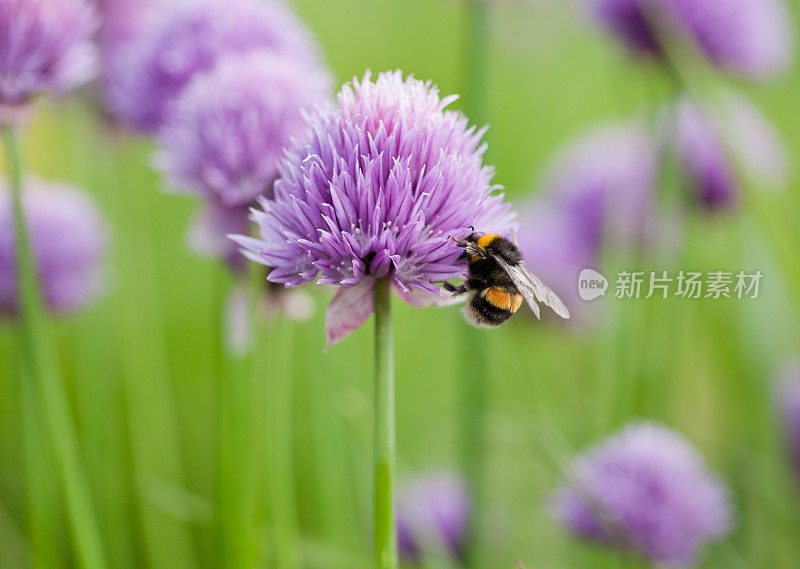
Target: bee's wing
532,288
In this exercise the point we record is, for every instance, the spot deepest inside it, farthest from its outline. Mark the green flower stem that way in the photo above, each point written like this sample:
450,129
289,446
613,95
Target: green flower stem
236,515
39,354
473,351
384,452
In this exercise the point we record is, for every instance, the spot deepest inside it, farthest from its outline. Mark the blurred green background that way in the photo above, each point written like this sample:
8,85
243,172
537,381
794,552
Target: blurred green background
143,364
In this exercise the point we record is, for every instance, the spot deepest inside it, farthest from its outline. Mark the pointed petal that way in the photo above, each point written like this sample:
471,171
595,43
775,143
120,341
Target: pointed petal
348,310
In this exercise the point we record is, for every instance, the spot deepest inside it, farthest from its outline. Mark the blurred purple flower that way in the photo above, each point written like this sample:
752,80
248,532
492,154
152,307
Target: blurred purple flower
375,190
120,20
189,37
704,159
709,140
788,403
645,489
432,516
549,241
229,126
600,190
753,38
45,46
604,181
69,238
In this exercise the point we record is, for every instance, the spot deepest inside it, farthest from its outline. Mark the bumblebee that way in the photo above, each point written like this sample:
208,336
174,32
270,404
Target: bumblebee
501,282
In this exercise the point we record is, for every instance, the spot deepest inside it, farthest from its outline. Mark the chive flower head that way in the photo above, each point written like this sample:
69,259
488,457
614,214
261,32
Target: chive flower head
69,238
752,38
45,46
599,190
647,490
189,37
230,125
711,142
375,190
433,512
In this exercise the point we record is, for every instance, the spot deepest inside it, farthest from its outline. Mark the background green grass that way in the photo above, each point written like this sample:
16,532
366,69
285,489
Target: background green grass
143,365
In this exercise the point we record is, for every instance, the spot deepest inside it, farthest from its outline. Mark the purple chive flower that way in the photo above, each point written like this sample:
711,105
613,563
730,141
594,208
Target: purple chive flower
432,516
647,490
708,141
375,190
45,46
189,38
69,239
753,38
788,403
600,190
225,135
229,126
120,21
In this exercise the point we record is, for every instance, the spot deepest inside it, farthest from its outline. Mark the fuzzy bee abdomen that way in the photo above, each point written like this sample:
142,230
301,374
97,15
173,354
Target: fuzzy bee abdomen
503,299
491,307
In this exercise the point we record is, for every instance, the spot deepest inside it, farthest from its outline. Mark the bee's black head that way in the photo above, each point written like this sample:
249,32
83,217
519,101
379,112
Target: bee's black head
486,244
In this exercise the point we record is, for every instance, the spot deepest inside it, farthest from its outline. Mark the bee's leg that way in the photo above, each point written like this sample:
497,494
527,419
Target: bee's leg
456,290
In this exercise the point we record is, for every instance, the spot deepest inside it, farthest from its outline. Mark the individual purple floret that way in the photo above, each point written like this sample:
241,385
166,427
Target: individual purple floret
432,516
230,125
788,403
45,46
189,37
375,190
69,239
753,38
711,142
646,490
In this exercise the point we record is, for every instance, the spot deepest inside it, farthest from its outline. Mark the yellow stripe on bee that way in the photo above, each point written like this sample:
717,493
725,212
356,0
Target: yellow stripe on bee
497,298
485,240
516,302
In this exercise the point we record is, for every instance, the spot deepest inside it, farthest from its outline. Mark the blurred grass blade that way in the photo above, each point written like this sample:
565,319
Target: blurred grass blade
101,423
147,382
39,353
15,548
43,508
